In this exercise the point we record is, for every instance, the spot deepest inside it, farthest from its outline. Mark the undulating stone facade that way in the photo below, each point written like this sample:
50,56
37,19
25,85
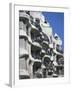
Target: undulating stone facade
40,52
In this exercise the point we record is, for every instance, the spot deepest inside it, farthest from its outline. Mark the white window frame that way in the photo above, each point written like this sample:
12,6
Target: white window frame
14,44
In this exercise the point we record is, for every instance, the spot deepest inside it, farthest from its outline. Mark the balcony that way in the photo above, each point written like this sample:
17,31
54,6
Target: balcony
51,46
57,53
23,53
36,46
23,34
35,29
36,56
31,58
43,51
34,60
29,40
37,60
46,60
37,65
24,16
59,69
23,74
45,44
43,66
47,56
36,39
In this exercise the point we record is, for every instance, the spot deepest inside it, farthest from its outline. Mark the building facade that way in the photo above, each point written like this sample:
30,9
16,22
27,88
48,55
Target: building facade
40,52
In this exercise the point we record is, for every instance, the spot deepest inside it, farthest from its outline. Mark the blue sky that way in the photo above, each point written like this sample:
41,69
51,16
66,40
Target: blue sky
56,21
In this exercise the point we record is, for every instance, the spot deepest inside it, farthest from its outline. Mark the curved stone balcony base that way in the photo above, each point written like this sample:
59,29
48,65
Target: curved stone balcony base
34,29
37,60
36,46
23,52
34,60
45,42
43,66
31,58
29,39
23,34
47,56
43,51
23,72
51,45
24,15
56,52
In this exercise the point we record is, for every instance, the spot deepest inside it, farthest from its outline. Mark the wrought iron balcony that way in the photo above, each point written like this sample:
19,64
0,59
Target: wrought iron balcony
37,39
46,60
45,44
36,55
